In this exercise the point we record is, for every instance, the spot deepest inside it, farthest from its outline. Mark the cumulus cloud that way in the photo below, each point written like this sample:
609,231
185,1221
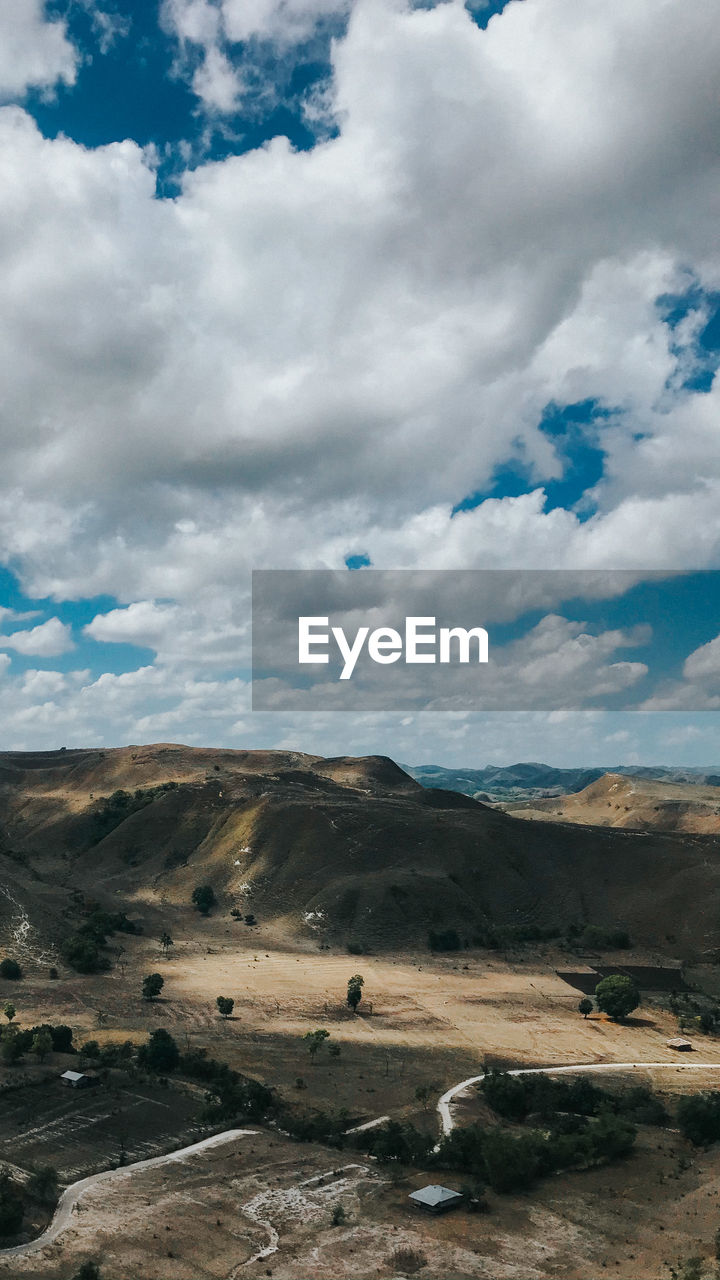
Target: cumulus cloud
47,640
305,353
35,53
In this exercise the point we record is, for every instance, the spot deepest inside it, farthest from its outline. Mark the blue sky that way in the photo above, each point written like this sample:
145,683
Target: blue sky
326,283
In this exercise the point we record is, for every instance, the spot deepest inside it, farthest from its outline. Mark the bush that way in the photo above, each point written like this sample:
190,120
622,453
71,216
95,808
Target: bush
10,969
83,955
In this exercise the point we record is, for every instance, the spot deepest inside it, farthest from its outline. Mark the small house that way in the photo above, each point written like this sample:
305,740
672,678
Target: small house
436,1199
77,1079
680,1044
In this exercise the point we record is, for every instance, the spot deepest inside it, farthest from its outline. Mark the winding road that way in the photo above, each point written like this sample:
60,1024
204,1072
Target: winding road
447,1123
68,1203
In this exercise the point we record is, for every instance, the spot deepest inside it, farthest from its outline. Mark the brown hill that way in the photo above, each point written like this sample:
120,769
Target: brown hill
345,850
644,804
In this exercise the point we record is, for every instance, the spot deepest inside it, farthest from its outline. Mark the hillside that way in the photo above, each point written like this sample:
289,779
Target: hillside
633,803
333,849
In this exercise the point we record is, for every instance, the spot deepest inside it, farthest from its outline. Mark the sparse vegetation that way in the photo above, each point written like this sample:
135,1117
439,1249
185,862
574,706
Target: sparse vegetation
407,1260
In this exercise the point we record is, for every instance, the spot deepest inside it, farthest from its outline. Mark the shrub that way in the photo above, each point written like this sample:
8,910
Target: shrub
10,969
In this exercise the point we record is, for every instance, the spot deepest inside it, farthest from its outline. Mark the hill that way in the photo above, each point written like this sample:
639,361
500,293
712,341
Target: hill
339,850
529,779
632,802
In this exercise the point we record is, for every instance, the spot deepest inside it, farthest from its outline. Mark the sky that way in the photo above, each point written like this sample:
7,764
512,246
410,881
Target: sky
340,284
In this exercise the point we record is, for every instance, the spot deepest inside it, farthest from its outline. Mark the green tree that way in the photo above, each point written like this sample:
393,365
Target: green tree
585,1006
10,969
226,1005
315,1039
160,1054
617,996
166,942
203,896
152,986
354,991
9,1011
42,1044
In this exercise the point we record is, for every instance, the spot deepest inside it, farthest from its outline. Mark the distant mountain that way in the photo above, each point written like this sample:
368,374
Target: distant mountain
633,803
530,779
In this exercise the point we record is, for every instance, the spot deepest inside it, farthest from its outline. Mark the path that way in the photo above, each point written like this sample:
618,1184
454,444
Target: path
446,1120
68,1202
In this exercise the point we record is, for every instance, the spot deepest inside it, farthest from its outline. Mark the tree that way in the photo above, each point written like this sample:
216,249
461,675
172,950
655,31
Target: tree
160,1054
226,1005
10,969
11,1047
152,986
585,1006
42,1044
315,1039
9,1011
354,991
203,896
166,942
617,996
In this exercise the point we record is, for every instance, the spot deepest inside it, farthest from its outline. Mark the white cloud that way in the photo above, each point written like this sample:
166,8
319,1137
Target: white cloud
47,640
309,352
34,52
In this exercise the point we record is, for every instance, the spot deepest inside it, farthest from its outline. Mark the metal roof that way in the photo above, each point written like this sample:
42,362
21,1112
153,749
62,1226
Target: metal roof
434,1195
73,1075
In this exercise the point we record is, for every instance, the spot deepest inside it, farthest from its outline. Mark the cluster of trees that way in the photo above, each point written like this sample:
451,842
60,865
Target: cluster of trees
83,950
501,1159
40,1040
120,805
616,995
516,1097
